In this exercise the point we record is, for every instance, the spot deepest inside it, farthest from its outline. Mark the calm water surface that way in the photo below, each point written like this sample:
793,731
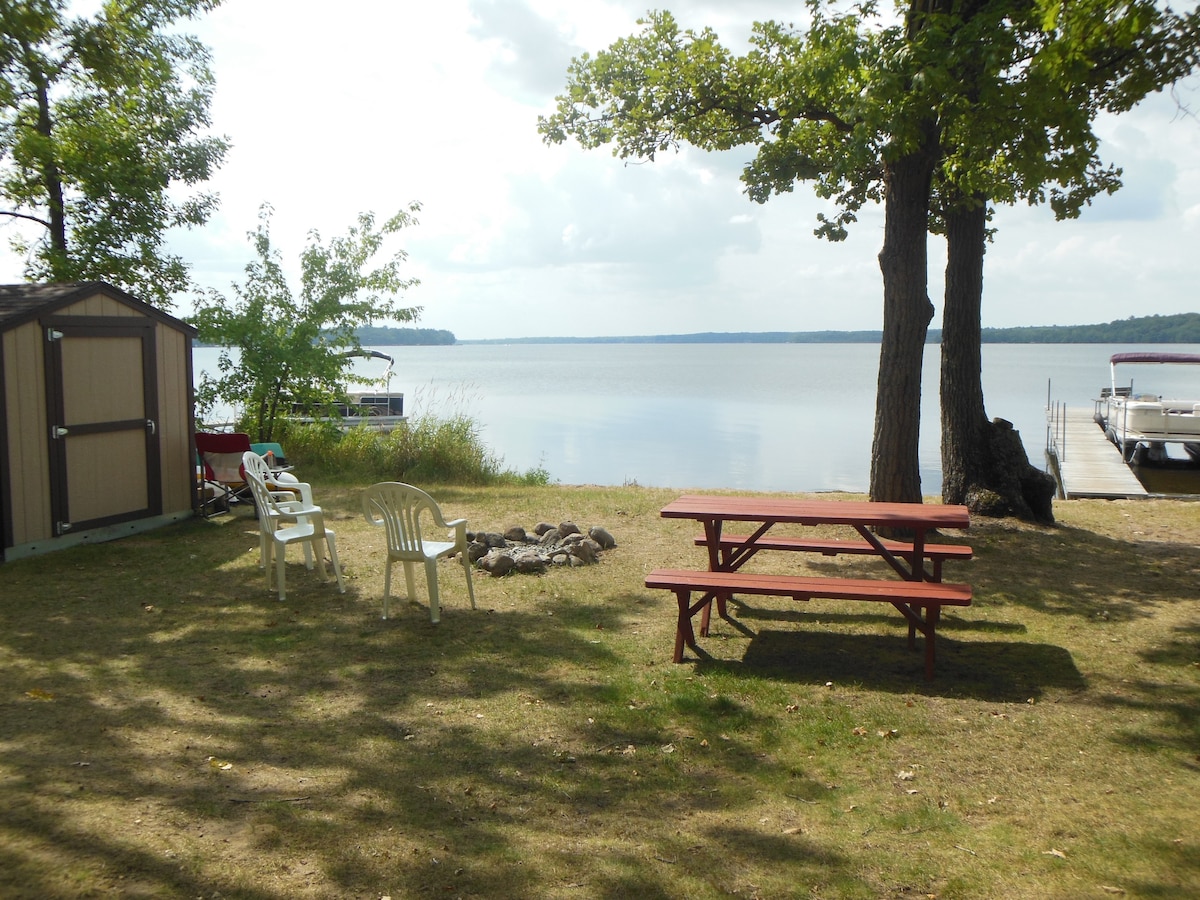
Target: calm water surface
769,417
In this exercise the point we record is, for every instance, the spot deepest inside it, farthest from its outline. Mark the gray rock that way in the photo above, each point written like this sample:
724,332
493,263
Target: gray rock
529,563
602,537
496,563
585,551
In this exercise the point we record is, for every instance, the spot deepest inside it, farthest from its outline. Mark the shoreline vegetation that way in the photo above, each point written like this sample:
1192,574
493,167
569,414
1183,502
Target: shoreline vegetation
1178,329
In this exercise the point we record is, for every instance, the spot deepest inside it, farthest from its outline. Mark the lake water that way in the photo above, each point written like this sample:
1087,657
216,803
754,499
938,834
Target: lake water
765,417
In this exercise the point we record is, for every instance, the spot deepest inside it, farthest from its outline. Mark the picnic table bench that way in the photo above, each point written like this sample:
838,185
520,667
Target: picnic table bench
919,595
909,597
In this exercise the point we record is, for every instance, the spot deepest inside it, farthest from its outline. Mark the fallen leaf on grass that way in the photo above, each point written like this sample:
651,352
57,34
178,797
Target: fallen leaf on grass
1057,853
219,764
905,775
39,694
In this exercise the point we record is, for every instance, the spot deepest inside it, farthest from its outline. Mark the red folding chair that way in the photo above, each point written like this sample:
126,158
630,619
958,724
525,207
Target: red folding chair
223,481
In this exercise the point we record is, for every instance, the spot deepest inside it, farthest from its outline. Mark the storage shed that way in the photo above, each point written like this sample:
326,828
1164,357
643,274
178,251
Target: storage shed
96,417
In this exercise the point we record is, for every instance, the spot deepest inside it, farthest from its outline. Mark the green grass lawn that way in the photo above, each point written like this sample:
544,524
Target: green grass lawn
169,729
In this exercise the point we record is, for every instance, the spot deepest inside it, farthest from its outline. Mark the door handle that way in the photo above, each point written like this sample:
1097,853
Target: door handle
150,424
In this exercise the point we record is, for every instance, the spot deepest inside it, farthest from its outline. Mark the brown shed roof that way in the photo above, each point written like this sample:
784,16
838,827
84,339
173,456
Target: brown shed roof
19,303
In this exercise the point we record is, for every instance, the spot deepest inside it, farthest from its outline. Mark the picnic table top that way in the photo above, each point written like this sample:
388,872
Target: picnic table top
806,511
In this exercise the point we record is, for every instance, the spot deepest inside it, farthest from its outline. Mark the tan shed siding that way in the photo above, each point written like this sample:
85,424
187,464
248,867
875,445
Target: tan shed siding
108,489
98,305
92,367
28,430
174,389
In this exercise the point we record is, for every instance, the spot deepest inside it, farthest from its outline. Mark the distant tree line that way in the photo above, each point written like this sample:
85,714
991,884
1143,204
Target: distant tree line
382,336
1180,329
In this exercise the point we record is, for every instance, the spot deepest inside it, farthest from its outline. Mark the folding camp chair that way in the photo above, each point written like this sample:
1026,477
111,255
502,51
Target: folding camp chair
223,482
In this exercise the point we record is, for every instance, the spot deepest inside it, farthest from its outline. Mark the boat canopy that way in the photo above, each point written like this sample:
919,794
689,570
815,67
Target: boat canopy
1155,358
375,354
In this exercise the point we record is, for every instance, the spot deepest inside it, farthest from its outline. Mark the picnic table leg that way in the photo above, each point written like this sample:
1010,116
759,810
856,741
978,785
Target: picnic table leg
931,620
928,626
719,560
683,628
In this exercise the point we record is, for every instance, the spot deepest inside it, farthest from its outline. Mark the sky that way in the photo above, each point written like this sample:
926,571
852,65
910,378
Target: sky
334,109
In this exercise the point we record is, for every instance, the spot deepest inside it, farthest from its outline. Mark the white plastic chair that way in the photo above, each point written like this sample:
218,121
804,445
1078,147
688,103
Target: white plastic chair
309,527
399,509
290,495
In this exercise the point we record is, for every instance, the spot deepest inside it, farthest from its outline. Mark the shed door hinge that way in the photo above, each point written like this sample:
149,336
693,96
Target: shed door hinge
53,334
57,431
62,527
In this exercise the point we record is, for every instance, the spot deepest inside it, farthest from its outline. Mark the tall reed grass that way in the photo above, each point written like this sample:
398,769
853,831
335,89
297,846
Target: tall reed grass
429,448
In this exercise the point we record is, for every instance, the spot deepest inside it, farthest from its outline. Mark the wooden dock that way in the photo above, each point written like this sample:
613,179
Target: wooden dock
1087,463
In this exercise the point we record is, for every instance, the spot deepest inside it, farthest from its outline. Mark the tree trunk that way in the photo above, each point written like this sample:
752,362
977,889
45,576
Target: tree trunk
895,466
51,179
984,464
964,422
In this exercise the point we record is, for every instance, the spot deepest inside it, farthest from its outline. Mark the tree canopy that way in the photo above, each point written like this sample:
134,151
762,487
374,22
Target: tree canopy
103,123
279,348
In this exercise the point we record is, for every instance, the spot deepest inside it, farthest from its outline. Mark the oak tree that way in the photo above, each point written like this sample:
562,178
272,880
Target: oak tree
103,125
1021,130
935,113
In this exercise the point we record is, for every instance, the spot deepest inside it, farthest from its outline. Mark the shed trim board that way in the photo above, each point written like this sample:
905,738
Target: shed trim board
6,516
96,417
93,536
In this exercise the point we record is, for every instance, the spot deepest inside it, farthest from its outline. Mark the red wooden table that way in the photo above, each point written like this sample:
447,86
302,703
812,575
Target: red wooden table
907,559
861,515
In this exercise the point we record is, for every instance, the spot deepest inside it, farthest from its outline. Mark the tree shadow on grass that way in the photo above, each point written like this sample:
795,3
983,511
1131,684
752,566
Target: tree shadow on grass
178,737
990,670
1095,575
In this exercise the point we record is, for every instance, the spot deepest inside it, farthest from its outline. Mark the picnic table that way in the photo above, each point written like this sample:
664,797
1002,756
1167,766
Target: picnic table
918,593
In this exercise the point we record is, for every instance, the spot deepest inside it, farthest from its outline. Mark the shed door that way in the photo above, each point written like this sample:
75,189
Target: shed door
103,405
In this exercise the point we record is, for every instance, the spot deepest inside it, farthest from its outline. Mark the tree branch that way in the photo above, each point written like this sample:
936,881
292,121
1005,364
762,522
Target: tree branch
20,215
